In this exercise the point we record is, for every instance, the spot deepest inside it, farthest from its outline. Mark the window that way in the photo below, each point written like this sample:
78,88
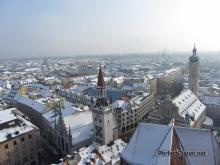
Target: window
6,146
15,143
30,136
100,120
22,139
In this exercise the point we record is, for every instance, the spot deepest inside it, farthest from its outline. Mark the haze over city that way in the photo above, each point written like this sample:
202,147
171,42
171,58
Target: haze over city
109,82
65,28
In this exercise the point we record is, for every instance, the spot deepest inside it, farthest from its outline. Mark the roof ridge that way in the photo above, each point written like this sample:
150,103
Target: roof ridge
176,145
156,155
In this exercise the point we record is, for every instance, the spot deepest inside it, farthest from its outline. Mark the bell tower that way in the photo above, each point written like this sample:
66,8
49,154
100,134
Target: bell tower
194,71
102,114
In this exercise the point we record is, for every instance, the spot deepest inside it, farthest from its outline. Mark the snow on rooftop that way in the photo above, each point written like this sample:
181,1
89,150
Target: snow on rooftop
109,153
144,143
208,121
211,101
32,69
188,103
137,100
80,125
45,100
35,105
7,115
69,109
148,138
13,125
150,76
172,70
27,81
121,104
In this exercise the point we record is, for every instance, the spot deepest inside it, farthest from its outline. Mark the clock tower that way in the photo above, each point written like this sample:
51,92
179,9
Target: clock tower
102,114
194,72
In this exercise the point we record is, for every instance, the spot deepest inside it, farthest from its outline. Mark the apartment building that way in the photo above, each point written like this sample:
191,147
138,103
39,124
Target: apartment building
19,140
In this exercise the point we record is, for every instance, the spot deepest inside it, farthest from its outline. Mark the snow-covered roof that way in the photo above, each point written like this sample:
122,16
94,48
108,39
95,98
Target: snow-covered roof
213,101
208,121
50,78
103,154
35,105
150,76
121,104
45,100
27,81
177,69
12,125
111,153
127,88
38,85
188,103
149,138
80,125
137,100
32,69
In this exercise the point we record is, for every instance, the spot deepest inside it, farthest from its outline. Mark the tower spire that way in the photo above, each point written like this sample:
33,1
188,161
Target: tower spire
194,50
70,135
101,99
194,71
101,82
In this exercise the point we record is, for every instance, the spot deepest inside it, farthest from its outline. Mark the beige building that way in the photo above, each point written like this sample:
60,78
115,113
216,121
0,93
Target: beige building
129,112
167,81
19,140
194,72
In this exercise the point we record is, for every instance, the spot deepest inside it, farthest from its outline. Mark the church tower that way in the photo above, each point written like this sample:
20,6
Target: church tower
102,114
194,72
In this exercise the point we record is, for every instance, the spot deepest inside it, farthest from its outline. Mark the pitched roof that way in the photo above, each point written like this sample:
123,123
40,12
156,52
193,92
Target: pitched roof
188,103
149,139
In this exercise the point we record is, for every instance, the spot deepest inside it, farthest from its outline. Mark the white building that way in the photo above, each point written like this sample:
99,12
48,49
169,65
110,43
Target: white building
186,109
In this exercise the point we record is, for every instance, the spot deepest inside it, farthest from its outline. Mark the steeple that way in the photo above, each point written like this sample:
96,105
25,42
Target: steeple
101,98
101,82
194,58
70,135
194,50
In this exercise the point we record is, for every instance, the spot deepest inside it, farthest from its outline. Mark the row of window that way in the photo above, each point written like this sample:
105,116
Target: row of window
15,142
98,141
128,122
99,120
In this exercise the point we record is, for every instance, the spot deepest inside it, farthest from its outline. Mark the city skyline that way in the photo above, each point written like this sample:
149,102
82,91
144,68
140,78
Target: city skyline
55,28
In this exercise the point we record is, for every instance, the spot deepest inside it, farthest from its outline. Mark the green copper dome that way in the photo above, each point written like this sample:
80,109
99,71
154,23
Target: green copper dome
193,58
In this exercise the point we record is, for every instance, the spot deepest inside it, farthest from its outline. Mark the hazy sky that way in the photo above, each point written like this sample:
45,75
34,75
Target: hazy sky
68,27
